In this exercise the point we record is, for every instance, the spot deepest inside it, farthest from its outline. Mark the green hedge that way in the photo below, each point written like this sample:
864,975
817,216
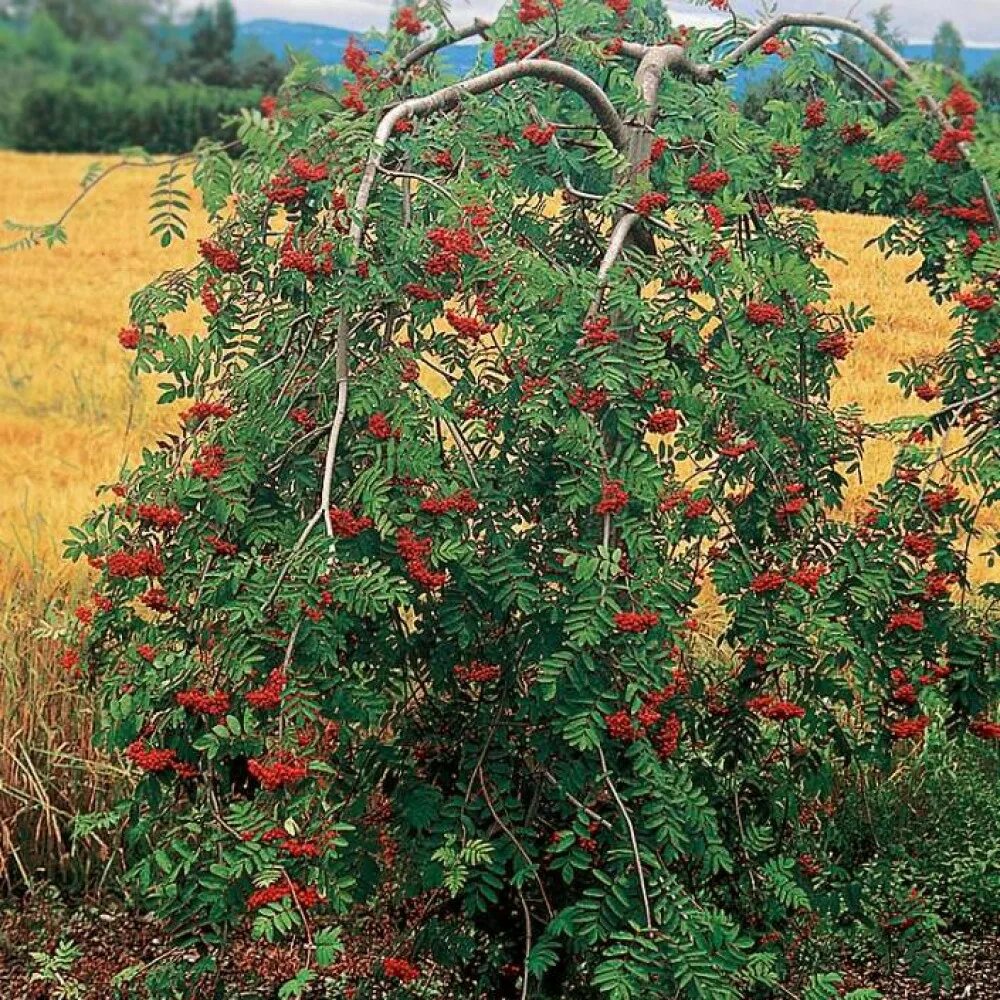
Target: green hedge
56,117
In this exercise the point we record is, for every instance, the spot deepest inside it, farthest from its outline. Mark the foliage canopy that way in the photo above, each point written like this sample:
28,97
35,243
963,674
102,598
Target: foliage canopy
499,384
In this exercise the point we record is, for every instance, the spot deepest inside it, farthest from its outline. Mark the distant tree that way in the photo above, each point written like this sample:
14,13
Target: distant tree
987,80
256,66
947,47
209,57
882,24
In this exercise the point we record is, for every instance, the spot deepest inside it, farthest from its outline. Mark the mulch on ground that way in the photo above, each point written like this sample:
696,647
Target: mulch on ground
111,940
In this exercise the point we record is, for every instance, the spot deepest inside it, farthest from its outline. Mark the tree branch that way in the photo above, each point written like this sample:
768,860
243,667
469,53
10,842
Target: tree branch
673,58
616,244
425,49
606,775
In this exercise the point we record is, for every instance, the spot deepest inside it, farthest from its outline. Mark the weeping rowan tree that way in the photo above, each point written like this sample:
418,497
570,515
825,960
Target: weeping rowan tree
503,383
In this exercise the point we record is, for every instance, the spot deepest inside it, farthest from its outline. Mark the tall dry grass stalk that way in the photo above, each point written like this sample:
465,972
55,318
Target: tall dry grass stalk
49,771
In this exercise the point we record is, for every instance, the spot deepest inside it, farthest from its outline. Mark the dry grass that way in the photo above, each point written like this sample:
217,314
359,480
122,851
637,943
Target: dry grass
70,415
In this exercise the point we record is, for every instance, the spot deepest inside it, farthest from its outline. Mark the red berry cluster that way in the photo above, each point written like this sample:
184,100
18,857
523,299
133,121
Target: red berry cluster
764,314
469,327
529,11
312,173
888,163
707,182
284,770
835,344
793,506
156,599
716,220
156,761
853,133
588,400
225,260
408,20
919,544
129,337
784,154
767,582
693,507
613,497
903,691
815,116
960,101
268,696
908,729
222,546
476,672
305,896
204,702
296,847
461,502
164,518
621,726
303,418
911,618
938,499
808,576
306,261
663,421
977,302
209,299
284,189
380,428
346,524
652,201
400,969
985,729
69,659
202,410
597,332
539,135
767,706
415,552
210,463
636,621
132,565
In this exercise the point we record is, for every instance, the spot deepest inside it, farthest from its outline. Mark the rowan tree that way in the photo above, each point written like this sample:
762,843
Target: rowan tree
502,384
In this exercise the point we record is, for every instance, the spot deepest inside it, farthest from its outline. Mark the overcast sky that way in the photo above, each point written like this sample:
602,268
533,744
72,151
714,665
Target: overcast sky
977,20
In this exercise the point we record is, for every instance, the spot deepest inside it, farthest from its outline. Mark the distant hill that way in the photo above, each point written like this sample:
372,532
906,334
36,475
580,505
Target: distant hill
975,58
327,44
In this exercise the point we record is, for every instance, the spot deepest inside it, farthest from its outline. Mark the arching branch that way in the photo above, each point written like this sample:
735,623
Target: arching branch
821,21
425,49
448,97
420,107
886,51
854,72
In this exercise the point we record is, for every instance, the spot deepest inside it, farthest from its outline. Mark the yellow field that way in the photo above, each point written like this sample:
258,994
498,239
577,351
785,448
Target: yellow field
70,414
